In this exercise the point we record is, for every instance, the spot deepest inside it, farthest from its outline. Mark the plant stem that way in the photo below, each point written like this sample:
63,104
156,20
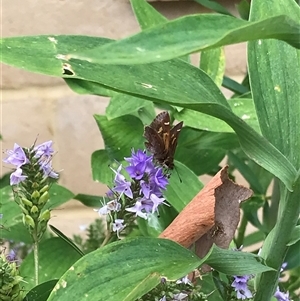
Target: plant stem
241,232
274,249
106,239
36,261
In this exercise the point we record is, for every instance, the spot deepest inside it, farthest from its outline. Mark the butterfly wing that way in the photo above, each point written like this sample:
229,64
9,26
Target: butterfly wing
162,140
155,143
174,134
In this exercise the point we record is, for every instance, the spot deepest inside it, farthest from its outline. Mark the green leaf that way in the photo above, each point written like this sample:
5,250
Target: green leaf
178,193
123,104
201,121
274,71
4,181
243,8
66,239
146,15
195,91
234,86
250,209
55,258
295,237
292,256
141,260
89,200
244,108
58,196
101,162
12,214
88,87
120,135
235,262
213,63
253,238
246,172
41,292
190,34
215,6
202,151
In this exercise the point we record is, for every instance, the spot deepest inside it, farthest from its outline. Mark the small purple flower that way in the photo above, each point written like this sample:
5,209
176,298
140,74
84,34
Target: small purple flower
16,156
241,288
180,296
12,256
121,185
160,179
44,149
140,163
16,177
113,205
118,226
184,280
280,296
46,167
137,209
283,267
156,202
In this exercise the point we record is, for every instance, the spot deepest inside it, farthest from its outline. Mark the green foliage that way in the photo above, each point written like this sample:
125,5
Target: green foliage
256,132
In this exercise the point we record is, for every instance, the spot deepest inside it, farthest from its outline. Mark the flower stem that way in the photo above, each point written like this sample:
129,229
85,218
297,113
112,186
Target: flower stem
36,256
106,239
275,245
241,232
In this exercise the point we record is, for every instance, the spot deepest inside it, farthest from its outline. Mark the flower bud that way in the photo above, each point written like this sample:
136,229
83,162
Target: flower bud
10,289
24,210
26,202
45,188
35,194
43,199
34,211
28,220
35,185
45,216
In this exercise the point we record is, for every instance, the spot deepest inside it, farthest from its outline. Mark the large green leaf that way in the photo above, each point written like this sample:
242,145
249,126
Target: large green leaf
190,34
202,151
120,135
213,63
158,81
143,261
183,186
41,292
124,104
274,70
55,257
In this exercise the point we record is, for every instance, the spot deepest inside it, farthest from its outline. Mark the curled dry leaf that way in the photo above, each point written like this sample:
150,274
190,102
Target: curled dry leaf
211,217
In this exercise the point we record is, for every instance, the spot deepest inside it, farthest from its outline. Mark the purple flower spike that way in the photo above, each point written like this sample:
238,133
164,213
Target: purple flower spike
241,288
44,149
16,156
16,177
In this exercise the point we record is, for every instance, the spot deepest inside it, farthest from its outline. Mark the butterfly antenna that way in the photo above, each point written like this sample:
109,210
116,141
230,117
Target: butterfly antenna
178,174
